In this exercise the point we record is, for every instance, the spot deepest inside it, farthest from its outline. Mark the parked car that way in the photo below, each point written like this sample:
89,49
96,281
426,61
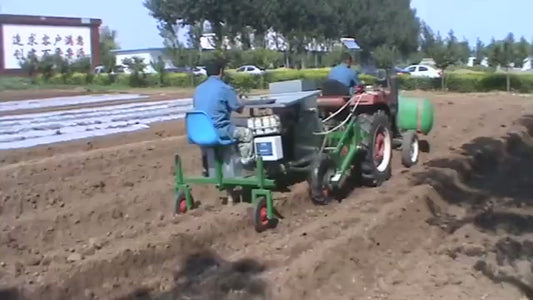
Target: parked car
186,70
400,71
424,71
199,70
250,70
118,69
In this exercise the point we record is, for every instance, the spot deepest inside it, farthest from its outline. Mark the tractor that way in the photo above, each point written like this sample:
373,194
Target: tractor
323,134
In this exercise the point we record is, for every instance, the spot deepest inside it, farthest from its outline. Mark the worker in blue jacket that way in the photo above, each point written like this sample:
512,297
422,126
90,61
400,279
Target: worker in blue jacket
218,100
344,74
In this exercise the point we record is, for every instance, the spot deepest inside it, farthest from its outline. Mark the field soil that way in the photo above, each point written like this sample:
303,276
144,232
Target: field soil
92,219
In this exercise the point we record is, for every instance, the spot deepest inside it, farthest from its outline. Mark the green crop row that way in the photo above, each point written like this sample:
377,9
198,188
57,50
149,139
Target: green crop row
458,82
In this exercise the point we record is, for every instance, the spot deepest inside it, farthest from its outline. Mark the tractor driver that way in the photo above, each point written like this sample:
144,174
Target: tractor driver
344,74
218,100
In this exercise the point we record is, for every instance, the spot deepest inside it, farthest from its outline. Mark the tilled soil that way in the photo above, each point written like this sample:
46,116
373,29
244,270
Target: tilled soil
93,219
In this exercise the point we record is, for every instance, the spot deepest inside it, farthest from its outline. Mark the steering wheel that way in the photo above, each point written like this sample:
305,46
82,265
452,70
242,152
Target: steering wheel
381,75
359,89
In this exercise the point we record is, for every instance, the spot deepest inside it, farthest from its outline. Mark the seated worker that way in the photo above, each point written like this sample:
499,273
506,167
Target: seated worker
344,74
218,100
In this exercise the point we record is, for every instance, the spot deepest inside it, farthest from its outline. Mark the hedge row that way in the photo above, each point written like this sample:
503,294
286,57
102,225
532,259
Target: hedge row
466,82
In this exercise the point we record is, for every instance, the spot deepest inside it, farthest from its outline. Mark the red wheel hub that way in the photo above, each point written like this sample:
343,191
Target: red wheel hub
183,206
263,215
379,148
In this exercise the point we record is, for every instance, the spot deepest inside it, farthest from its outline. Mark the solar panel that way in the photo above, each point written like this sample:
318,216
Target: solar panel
350,43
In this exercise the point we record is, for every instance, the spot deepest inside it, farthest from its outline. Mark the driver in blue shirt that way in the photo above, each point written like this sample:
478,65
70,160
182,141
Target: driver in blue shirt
218,100
344,74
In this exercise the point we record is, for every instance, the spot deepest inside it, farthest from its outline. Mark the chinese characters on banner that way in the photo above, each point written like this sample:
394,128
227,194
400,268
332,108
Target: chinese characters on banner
20,41
48,47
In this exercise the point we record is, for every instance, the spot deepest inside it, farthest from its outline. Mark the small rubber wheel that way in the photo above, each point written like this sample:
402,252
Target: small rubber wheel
181,203
410,149
261,220
319,180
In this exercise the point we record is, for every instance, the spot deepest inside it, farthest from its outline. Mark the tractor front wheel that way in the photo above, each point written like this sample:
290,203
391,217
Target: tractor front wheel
376,165
410,149
319,180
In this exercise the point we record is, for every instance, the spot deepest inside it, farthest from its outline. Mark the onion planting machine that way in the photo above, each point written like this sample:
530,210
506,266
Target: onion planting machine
327,136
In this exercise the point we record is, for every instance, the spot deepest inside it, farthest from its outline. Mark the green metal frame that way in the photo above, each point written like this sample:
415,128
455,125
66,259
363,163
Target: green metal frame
259,184
343,146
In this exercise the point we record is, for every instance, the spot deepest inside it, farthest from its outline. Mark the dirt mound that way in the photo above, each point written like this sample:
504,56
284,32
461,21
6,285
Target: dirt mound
489,190
92,220
205,275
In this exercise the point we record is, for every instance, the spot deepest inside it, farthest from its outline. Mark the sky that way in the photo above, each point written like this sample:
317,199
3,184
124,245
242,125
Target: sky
137,29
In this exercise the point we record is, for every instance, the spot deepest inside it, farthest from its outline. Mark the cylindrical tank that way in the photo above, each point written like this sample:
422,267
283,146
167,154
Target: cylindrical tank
415,114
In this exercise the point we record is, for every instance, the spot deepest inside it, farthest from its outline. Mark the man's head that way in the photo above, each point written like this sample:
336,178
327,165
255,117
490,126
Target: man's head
346,58
215,67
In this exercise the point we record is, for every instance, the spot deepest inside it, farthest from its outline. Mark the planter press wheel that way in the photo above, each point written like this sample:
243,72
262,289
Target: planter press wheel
319,185
410,149
376,166
181,203
261,220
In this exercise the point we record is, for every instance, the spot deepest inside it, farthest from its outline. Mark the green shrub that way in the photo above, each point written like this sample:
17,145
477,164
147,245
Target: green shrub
14,83
77,79
244,82
498,82
122,80
465,83
455,81
102,79
179,80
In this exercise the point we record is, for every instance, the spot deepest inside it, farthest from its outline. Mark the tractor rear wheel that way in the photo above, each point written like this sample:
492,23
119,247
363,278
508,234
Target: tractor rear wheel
376,164
319,185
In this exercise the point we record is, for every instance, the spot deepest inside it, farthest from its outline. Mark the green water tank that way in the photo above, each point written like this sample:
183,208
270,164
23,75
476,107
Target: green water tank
415,114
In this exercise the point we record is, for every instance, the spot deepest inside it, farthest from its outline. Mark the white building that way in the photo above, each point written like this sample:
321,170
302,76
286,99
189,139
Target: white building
149,55
472,59
528,64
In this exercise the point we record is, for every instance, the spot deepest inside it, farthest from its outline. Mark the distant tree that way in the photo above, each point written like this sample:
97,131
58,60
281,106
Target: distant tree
427,39
30,64
463,51
160,68
415,58
377,23
521,52
46,67
137,67
82,65
385,56
479,52
174,47
194,33
501,55
445,52
107,44
63,67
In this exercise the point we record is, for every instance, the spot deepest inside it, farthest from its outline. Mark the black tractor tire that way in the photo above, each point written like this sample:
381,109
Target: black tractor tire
376,127
410,149
318,180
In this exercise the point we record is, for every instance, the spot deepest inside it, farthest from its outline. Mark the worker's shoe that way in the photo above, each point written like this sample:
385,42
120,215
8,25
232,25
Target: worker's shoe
248,163
205,171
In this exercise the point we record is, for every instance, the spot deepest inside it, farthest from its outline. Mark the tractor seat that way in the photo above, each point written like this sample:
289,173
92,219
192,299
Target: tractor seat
332,87
202,132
